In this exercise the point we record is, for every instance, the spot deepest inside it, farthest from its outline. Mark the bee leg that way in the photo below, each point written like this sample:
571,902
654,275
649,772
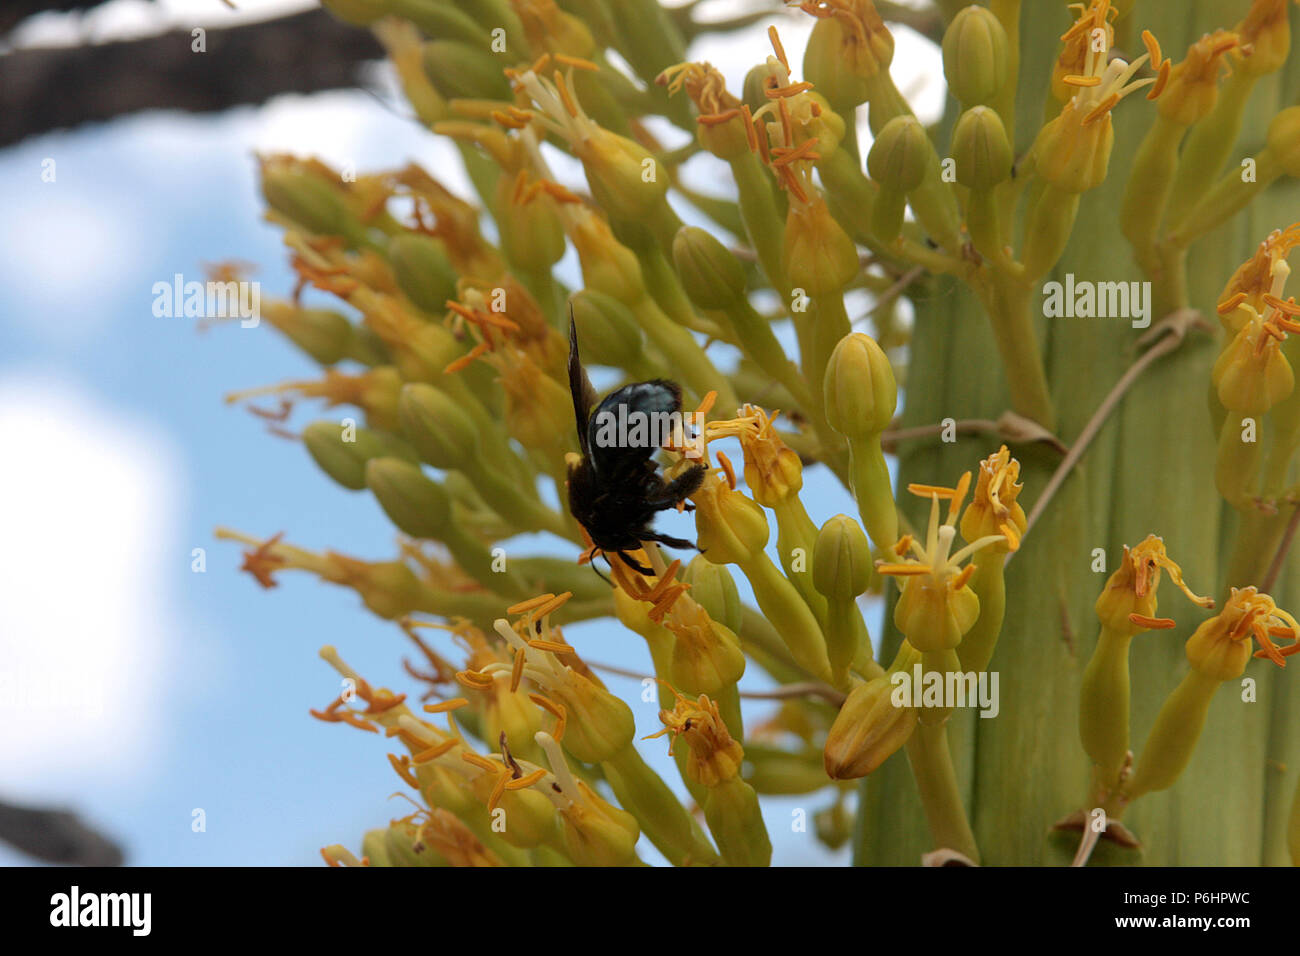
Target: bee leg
601,576
634,564
670,541
672,492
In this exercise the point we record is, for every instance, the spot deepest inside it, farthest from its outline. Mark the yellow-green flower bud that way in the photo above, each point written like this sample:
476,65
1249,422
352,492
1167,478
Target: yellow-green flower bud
1193,86
710,274
342,451
1267,31
713,588
824,64
980,148
899,161
539,410
731,527
975,56
733,814
460,71
530,819
1252,376
402,847
532,232
624,176
437,427
860,390
868,730
1284,139
1216,653
423,271
1074,155
841,559
597,833
325,335
707,658
608,266
817,254
414,502
607,329
373,848
599,724
841,571
932,615
389,588
299,192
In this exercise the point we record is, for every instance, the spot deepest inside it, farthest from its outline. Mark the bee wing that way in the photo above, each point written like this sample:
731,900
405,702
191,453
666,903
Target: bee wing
584,395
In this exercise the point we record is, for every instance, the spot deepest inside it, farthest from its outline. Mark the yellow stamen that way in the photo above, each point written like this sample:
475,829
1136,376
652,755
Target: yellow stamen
446,705
903,570
434,752
1155,623
402,766
776,45
728,469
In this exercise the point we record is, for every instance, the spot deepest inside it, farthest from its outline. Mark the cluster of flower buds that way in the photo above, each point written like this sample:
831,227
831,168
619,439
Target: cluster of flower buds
448,357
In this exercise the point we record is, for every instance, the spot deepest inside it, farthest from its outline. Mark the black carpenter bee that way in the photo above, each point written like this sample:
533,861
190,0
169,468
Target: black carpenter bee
616,489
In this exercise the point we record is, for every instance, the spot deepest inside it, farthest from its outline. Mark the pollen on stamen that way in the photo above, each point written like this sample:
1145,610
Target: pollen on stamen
434,752
443,706
1230,304
777,47
1162,79
577,62
555,710
529,604
1101,109
1154,623
903,570
727,468
1153,49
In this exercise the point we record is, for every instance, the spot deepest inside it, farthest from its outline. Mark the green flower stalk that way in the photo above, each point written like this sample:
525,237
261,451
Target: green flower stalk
901,159
841,571
1265,44
1188,92
733,530
730,804
982,155
993,510
861,396
1071,155
1218,652
1126,607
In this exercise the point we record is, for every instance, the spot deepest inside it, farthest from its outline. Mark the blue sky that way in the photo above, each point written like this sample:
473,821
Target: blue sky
132,688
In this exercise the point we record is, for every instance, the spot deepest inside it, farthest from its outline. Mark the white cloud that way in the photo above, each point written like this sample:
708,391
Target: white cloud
83,610
61,250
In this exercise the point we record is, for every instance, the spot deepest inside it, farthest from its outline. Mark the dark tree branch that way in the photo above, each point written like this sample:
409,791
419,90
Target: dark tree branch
55,836
49,88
